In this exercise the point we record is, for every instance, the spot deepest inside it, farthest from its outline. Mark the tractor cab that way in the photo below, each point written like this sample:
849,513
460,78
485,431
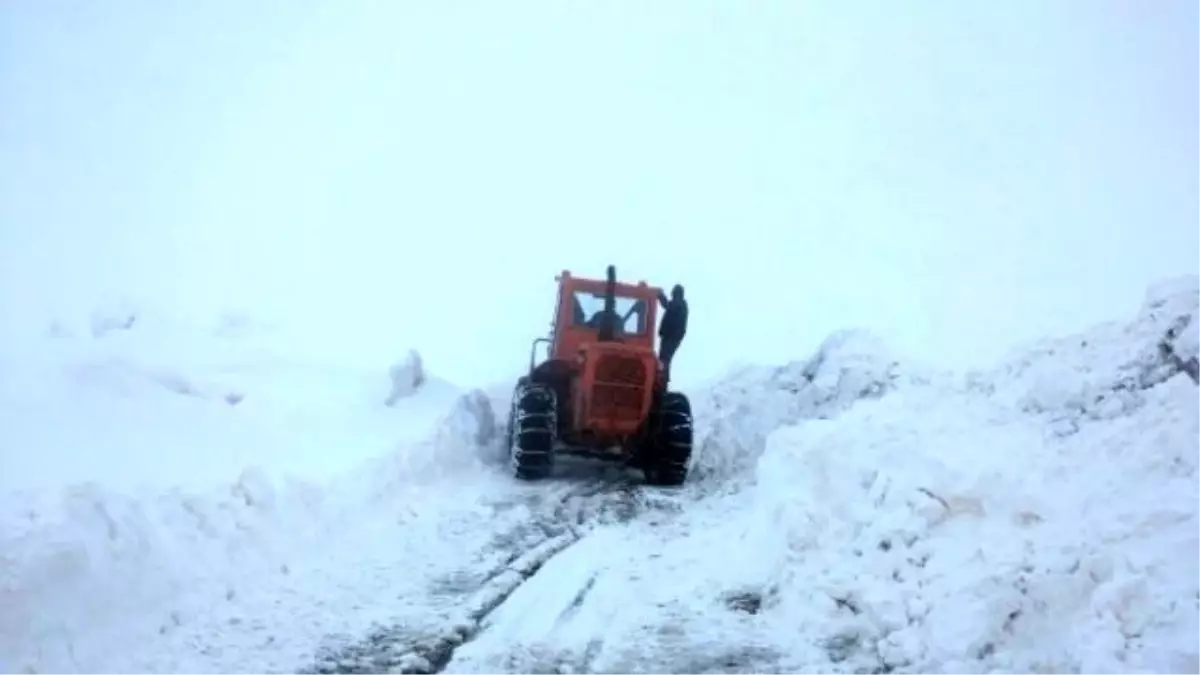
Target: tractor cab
592,310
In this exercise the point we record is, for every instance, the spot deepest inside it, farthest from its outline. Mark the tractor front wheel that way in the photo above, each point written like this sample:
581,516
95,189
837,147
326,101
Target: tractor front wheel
531,431
670,441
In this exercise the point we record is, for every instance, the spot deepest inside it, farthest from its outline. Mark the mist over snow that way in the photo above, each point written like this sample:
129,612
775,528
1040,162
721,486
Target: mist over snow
376,177
114,408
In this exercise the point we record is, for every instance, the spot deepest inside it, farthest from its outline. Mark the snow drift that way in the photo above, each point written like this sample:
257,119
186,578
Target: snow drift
151,470
735,416
1040,519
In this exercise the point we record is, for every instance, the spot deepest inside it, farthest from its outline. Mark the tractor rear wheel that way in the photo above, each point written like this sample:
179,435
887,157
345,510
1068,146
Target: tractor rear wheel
671,441
531,431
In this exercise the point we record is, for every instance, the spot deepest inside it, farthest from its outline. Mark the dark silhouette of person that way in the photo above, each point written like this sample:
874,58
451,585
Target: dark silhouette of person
673,326
601,317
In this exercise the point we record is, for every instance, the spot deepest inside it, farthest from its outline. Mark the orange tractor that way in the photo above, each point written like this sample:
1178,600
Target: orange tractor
601,391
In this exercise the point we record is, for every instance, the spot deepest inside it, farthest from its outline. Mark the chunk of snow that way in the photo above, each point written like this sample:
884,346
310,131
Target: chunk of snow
1170,298
1186,342
734,418
406,376
467,436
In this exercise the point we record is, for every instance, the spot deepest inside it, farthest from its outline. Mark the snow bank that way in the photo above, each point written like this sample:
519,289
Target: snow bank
151,470
89,567
960,529
735,416
1102,373
467,441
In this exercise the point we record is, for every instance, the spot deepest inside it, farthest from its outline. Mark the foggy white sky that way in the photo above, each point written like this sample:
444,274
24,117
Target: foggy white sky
958,175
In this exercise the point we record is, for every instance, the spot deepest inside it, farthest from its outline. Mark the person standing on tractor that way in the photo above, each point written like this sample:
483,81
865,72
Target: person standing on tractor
673,326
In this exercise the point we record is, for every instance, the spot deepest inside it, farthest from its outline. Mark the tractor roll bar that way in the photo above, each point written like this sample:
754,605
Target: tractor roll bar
608,328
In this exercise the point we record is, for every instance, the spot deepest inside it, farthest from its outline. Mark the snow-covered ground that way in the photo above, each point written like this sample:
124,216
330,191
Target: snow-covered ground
161,483
212,505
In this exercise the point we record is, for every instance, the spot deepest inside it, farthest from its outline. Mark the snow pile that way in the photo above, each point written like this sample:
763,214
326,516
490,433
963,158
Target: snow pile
1104,373
1182,349
466,440
960,530
734,418
89,567
153,472
407,377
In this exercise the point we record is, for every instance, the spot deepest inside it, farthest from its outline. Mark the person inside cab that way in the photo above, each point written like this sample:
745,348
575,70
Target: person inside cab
598,319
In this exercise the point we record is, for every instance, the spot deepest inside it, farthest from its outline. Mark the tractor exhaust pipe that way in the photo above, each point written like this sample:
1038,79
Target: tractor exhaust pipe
608,328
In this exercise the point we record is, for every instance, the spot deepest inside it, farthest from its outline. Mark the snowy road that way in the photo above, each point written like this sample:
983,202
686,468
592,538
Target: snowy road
587,574
544,545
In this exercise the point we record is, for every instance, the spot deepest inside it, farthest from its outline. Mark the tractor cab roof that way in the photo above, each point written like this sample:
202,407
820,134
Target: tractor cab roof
580,313
639,290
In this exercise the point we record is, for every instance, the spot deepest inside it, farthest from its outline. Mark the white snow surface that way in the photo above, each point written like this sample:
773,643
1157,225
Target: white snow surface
178,491
849,512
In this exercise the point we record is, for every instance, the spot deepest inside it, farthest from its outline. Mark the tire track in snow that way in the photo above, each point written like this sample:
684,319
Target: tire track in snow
556,517
431,654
